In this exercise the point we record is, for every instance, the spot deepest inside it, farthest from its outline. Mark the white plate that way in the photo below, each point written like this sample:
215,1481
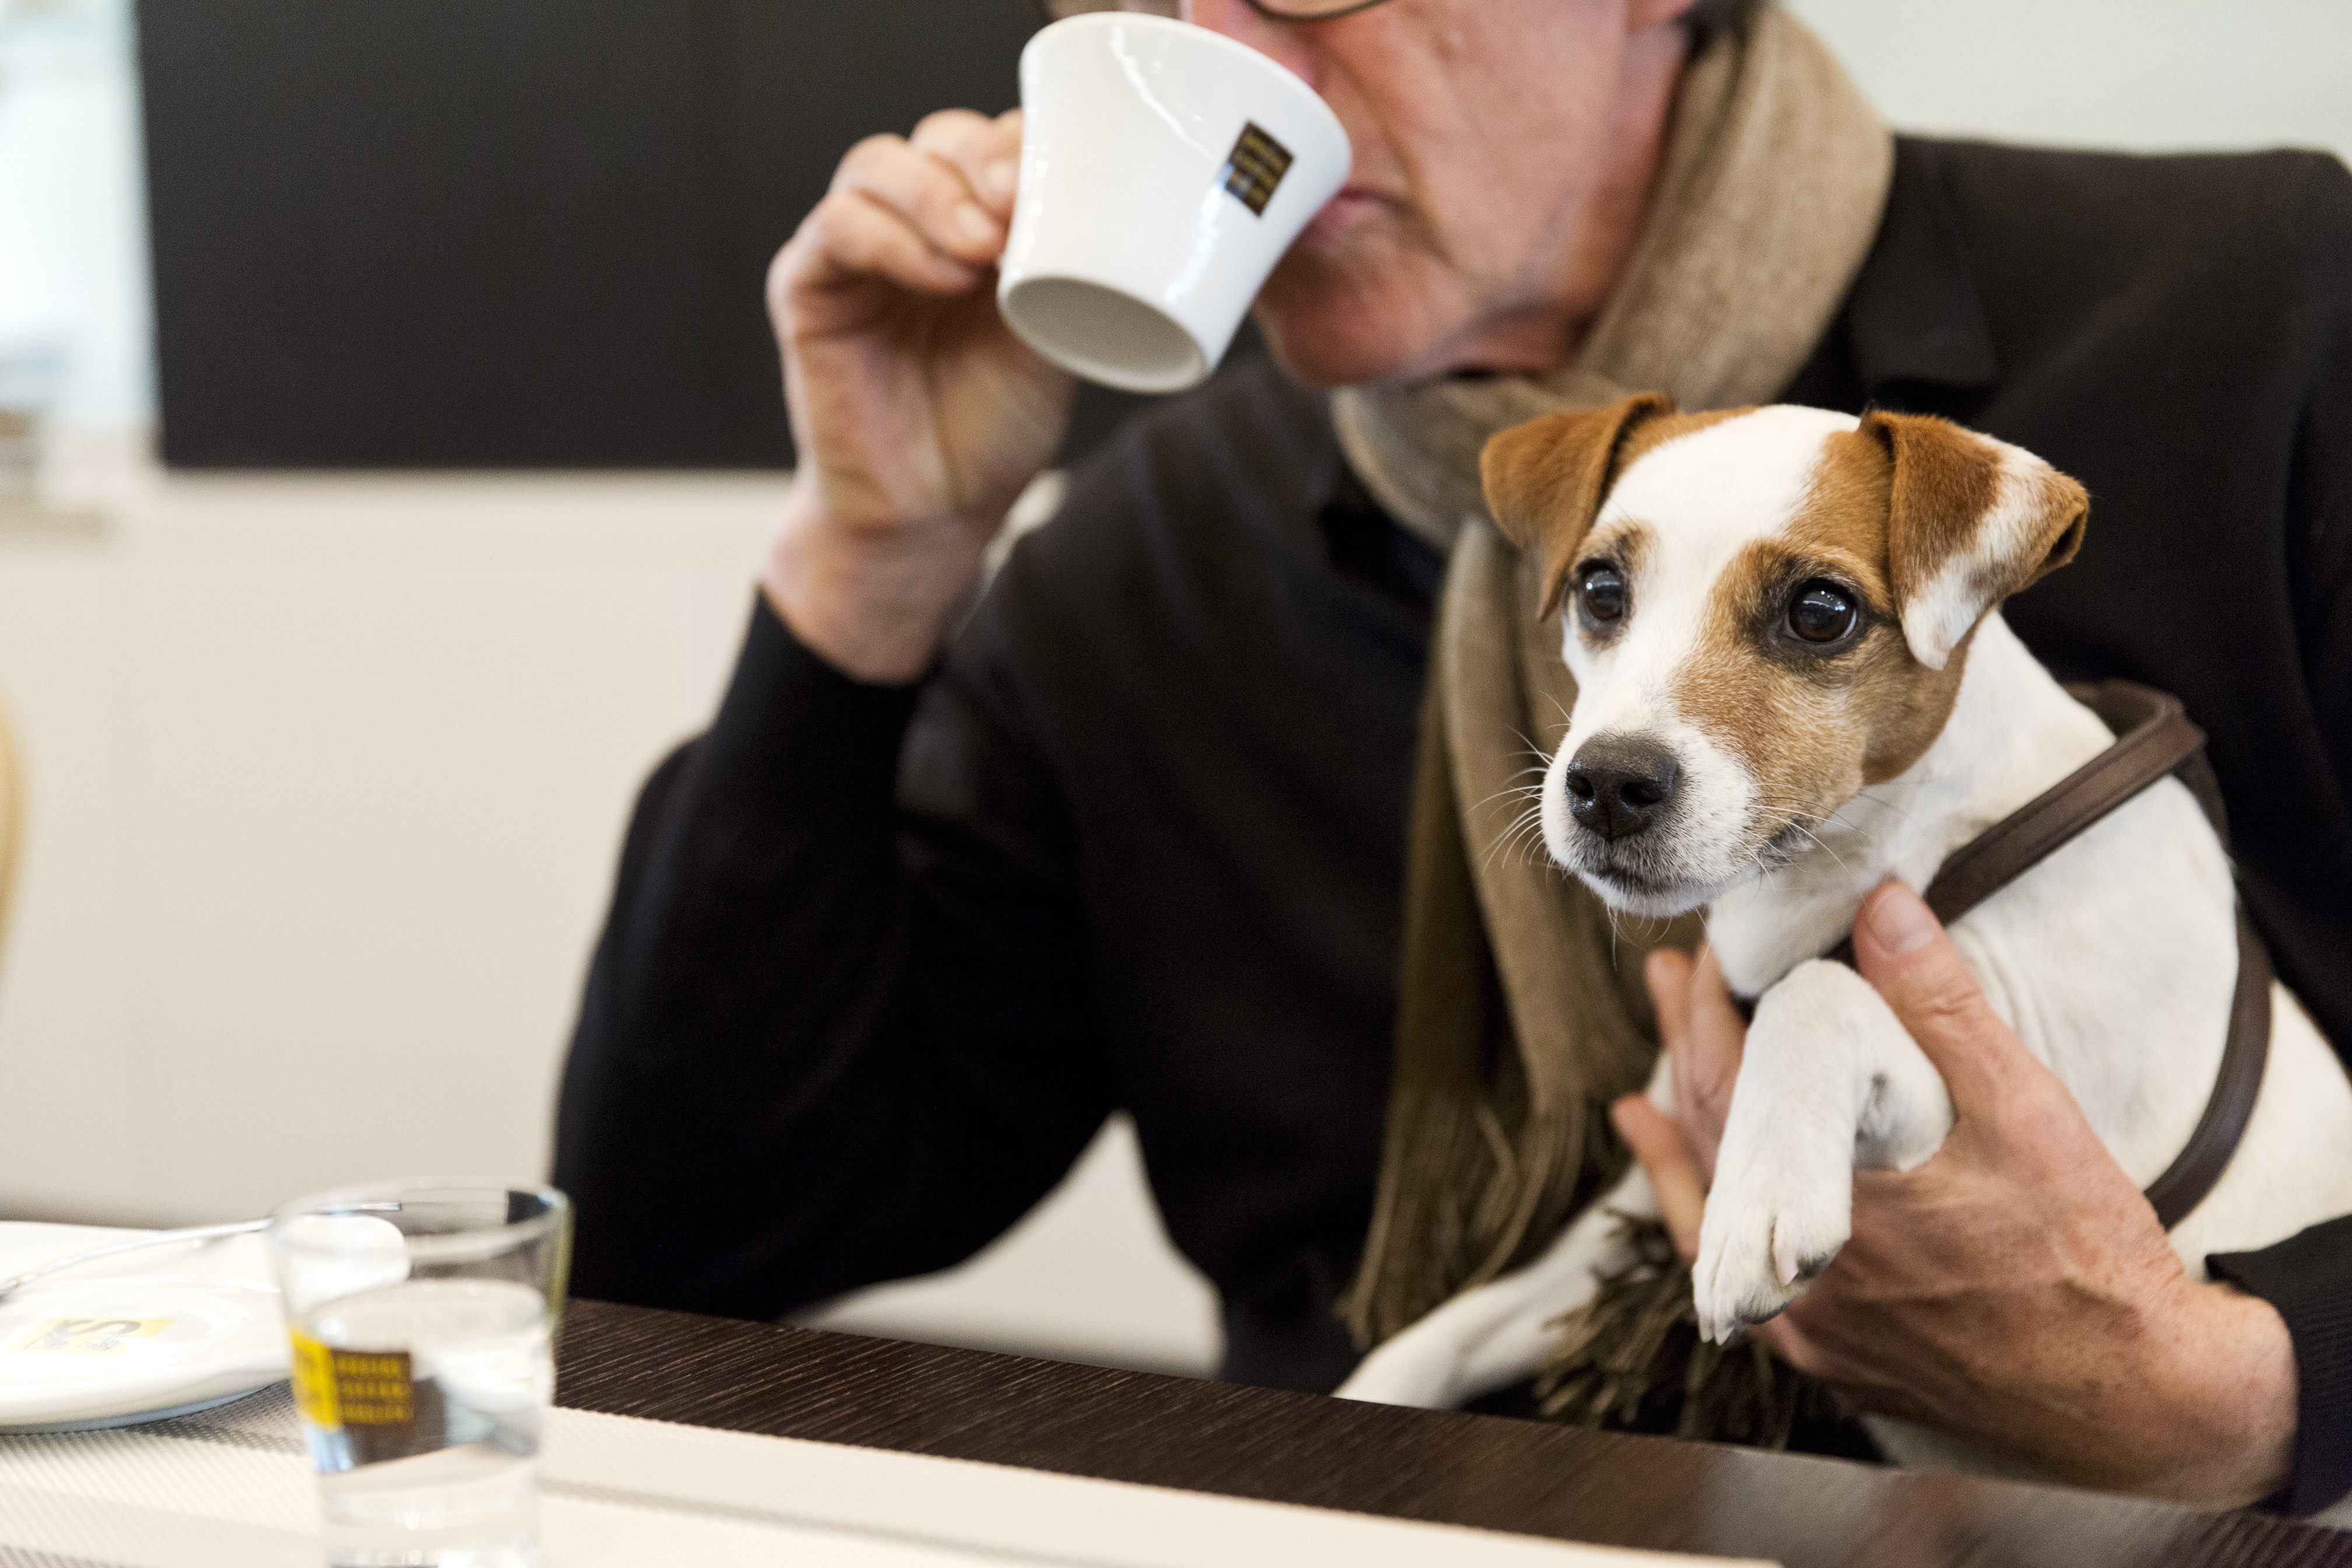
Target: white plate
134,1338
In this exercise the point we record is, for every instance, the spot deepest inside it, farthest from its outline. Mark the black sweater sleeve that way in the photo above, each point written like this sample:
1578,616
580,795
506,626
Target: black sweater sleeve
829,1035
2308,1277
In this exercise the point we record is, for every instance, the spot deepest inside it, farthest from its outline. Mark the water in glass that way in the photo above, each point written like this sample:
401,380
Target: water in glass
455,1488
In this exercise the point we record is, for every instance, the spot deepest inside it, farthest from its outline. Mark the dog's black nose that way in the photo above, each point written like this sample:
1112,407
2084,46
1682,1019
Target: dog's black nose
1619,785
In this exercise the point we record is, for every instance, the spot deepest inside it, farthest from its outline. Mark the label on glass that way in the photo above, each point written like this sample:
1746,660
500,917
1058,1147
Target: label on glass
371,1403
353,1388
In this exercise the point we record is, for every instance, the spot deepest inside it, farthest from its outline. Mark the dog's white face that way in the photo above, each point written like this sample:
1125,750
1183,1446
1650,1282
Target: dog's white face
1766,611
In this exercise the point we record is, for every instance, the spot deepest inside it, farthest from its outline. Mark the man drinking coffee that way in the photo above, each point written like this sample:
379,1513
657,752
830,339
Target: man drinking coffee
938,890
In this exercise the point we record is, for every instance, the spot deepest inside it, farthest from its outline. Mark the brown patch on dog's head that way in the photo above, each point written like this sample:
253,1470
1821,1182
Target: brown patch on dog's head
1546,479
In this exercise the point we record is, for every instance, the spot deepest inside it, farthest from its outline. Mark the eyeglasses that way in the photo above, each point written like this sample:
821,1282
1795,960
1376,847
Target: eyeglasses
1272,10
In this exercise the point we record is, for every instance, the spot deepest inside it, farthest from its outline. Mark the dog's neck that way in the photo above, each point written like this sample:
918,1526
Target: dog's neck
2012,733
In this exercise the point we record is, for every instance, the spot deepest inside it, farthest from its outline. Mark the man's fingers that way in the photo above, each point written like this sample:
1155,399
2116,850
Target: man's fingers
1788,1342
1700,1102
1657,1142
929,192
1667,972
1718,1034
1902,950
852,237
986,152
1861,1390
1706,1062
1703,1035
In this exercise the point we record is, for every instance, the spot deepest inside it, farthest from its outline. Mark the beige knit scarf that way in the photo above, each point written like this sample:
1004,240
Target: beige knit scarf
1522,1013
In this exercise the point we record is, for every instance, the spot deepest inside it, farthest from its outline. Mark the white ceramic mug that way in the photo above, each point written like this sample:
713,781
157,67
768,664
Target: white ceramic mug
1164,170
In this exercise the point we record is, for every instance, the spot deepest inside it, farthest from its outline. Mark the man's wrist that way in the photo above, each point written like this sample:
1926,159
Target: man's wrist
874,603
2232,1392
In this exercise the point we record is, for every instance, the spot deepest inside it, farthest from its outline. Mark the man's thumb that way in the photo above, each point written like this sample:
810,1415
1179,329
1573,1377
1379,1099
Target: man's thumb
1901,948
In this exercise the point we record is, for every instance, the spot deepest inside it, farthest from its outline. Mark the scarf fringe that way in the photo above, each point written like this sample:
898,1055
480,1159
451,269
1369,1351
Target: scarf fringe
1632,1359
1476,1216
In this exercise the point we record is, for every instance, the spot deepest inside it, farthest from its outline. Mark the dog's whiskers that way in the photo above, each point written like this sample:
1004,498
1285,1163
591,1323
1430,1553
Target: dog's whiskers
1799,817
1884,804
1522,791
1541,756
1797,823
1522,836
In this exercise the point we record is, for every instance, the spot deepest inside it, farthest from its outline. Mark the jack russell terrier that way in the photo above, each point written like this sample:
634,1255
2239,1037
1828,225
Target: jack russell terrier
1794,683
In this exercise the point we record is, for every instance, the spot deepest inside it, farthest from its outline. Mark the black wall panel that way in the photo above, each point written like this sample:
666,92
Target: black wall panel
501,232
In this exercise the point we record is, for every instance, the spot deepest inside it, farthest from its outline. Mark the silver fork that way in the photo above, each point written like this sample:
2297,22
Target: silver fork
201,1233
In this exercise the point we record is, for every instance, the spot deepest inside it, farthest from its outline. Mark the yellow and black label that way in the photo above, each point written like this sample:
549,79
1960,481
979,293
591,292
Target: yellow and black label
1255,167
314,1381
352,1388
88,1336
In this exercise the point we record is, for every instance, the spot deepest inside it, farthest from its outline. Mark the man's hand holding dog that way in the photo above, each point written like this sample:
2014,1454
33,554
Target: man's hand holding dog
2016,1287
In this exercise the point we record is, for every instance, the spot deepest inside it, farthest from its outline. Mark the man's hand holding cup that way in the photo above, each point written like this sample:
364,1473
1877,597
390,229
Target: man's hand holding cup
918,415
1162,171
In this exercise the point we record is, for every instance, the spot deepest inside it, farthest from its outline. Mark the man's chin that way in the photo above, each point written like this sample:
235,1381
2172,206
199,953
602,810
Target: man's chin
1327,348
1334,318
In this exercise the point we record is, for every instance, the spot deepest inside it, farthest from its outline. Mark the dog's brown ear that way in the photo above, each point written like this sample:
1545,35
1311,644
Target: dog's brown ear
1971,522
1546,479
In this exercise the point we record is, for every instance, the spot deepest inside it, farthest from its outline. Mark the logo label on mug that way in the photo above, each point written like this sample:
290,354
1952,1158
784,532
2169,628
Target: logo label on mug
1255,167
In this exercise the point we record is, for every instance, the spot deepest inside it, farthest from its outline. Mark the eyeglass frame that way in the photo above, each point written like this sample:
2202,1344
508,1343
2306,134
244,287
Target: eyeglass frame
1265,8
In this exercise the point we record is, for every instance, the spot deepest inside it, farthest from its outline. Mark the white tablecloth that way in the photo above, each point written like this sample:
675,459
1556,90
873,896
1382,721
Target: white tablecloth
229,1488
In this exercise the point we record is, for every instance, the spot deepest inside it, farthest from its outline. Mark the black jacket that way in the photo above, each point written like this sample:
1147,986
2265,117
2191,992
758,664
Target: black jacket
880,960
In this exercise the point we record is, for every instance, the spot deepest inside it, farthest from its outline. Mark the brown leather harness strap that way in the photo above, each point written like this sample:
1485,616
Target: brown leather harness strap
2201,1160
2154,739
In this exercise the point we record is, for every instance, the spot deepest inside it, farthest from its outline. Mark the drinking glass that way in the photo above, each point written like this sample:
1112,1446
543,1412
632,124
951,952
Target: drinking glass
421,1316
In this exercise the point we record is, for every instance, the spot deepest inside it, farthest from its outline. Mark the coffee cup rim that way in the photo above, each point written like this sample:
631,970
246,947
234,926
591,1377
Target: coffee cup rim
1233,48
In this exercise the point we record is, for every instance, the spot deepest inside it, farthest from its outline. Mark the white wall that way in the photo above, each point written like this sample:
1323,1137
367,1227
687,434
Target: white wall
2151,75
325,778
327,773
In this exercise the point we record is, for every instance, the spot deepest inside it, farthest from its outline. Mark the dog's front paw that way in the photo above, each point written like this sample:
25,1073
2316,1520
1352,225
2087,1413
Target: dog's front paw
1417,1368
1769,1229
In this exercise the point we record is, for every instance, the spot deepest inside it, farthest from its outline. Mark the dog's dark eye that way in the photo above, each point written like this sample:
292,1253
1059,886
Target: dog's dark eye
1822,613
1601,592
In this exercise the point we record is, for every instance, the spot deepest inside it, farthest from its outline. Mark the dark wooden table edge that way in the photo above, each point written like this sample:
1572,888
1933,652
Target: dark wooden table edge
1438,1467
